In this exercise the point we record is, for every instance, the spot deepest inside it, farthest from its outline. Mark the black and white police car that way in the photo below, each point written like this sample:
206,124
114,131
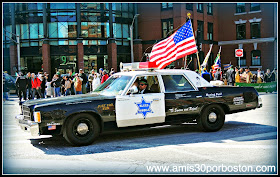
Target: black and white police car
176,96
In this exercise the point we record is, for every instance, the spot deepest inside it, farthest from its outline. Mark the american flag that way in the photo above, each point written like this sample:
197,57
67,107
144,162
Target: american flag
178,45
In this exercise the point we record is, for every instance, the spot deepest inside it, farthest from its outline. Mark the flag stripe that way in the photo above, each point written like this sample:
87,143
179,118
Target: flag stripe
178,45
165,54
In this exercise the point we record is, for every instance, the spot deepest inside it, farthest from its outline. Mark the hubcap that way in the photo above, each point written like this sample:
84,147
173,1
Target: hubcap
212,117
82,128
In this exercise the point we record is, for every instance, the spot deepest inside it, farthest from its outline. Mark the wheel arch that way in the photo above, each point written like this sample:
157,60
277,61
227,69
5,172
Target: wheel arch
91,113
224,106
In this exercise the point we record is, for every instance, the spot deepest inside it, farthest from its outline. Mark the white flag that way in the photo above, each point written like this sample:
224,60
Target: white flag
206,57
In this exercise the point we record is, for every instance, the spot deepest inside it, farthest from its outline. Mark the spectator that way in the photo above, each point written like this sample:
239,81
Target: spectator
43,84
267,76
237,75
96,81
230,76
67,86
243,75
101,72
57,84
112,71
84,80
259,76
218,75
211,74
29,85
249,75
36,86
104,77
90,79
49,89
274,75
206,75
21,84
71,77
78,81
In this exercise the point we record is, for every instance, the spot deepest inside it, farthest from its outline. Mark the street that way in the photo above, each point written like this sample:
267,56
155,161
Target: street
247,144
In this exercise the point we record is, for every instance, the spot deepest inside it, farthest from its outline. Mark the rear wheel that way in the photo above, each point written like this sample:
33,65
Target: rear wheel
81,129
212,118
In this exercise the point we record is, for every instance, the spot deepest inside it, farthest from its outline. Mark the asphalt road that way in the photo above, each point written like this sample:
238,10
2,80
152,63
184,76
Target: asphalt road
247,144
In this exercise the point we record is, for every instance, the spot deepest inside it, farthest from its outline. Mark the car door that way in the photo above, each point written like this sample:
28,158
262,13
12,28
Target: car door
181,96
140,109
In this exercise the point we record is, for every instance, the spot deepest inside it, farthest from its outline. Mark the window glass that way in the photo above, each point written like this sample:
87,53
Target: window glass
256,57
34,32
24,31
176,83
62,30
209,9
255,30
210,31
189,6
167,27
240,7
52,30
241,31
255,7
199,7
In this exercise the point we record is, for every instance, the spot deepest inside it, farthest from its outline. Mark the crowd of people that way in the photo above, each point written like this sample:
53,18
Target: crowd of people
234,75
42,85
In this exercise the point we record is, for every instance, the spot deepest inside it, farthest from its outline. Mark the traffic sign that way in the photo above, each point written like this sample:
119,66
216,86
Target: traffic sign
238,52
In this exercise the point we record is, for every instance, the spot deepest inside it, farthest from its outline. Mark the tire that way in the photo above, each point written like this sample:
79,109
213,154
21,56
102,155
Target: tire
212,118
81,129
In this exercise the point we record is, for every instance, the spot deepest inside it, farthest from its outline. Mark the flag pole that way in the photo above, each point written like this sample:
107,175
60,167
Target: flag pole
199,69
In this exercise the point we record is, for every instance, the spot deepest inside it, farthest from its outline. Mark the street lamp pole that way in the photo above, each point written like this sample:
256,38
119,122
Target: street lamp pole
131,38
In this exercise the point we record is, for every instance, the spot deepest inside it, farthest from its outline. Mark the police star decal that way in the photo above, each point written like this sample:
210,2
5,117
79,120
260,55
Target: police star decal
144,107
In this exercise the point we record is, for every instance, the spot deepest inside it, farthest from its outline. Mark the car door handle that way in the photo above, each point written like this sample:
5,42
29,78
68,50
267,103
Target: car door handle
156,99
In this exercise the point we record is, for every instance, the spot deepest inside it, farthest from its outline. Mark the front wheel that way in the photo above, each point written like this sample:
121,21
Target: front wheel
212,118
81,129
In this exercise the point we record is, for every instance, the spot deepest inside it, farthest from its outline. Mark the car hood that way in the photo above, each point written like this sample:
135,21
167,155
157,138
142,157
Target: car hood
67,99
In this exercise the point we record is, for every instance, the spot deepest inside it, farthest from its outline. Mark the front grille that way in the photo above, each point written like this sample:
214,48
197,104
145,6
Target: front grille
26,112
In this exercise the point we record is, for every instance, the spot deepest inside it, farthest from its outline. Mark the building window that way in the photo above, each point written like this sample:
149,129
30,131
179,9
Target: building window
167,27
189,6
200,30
199,7
210,9
210,31
256,57
255,7
166,6
241,31
240,7
255,30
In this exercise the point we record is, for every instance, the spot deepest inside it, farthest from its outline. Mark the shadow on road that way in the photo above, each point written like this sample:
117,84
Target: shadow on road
154,137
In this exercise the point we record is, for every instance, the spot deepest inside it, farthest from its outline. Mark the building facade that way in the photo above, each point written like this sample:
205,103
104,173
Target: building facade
69,36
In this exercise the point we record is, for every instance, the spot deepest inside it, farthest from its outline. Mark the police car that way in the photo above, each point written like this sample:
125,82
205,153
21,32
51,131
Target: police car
175,96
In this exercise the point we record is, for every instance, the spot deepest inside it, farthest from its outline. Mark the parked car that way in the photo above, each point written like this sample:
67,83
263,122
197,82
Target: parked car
176,96
11,83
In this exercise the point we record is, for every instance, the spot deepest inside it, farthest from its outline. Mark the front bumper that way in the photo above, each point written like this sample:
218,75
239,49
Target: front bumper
27,125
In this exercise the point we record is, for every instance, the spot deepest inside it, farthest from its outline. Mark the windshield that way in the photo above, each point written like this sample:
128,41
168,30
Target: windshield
114,85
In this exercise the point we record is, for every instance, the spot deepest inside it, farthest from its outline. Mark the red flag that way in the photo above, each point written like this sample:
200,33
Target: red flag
176,46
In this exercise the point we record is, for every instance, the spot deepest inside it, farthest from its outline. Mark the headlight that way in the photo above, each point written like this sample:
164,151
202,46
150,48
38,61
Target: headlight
37,116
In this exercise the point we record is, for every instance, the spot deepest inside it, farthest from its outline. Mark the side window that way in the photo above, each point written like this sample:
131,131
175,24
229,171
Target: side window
176,83
151,82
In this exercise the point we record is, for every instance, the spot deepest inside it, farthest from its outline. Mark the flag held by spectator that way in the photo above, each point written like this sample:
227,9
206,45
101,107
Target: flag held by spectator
217,62
178,45
206,58
226,66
